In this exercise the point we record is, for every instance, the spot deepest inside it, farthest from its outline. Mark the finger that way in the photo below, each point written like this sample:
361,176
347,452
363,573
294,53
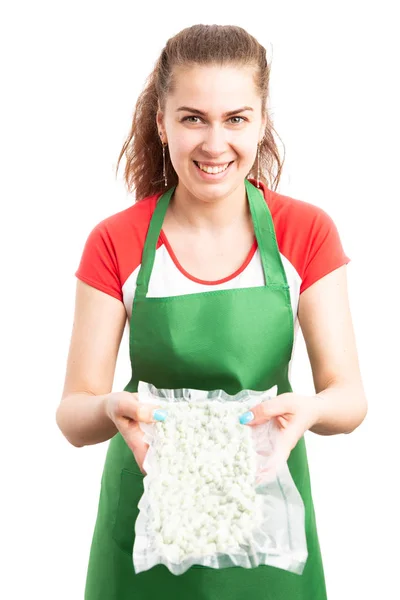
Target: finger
289,437
140,412
263,412
282,422
135,441
150,413
132,433
139,453
284,444
275,463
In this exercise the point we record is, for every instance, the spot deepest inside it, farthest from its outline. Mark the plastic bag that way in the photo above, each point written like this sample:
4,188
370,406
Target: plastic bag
210,497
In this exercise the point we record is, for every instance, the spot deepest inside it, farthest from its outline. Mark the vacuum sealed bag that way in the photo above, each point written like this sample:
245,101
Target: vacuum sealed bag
210,495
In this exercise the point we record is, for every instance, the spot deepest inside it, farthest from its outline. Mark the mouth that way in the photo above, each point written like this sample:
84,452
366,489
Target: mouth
216,172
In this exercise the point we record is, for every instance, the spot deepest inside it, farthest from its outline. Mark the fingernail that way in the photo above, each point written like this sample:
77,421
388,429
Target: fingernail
246,417
160,415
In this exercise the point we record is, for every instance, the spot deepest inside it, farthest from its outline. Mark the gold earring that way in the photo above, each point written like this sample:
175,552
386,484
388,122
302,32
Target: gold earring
258,164
164,170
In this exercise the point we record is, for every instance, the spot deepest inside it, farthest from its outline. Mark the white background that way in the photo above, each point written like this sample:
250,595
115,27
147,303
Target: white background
71,74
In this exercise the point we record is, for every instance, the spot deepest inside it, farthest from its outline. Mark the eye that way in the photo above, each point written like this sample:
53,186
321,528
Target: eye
194,117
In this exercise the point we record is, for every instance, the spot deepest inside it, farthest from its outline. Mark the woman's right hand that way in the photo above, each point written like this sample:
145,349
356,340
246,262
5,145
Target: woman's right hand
125,411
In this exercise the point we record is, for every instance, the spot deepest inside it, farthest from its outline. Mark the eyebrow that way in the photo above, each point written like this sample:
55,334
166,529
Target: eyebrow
227,114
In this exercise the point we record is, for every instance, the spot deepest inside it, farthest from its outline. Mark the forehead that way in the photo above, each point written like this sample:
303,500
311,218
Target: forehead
213,88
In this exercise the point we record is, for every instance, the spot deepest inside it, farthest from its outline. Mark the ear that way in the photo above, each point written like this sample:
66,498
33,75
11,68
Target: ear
160,120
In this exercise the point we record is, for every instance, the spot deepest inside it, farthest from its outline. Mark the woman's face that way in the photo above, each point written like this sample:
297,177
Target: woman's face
213,117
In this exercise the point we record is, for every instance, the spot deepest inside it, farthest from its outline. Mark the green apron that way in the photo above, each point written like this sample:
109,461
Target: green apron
223,339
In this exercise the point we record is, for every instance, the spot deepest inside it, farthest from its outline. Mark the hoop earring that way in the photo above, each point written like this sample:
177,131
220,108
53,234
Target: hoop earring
258,165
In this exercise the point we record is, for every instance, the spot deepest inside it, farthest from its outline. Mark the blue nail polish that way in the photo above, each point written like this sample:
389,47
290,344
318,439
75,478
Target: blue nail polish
160,415
246,417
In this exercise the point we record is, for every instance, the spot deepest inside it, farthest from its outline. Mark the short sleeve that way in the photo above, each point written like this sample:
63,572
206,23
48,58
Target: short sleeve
325,250
98,266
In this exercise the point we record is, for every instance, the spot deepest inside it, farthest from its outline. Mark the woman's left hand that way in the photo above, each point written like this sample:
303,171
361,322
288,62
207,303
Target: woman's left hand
294,415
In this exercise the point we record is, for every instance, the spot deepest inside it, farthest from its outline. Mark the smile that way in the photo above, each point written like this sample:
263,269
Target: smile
212,170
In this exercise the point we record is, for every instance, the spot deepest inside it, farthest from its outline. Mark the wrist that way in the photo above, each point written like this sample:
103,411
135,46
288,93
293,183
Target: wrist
106,406
319,403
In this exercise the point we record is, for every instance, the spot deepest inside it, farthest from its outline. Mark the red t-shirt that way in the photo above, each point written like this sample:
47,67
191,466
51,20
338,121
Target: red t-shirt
307,238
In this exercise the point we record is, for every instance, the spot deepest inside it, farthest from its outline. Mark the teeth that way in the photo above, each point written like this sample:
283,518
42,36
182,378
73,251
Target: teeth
213,170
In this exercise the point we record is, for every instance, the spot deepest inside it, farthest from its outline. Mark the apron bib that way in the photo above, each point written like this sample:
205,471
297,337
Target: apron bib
231,339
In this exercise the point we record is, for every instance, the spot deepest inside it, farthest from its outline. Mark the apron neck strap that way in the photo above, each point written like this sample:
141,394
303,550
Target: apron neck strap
149,250
274,272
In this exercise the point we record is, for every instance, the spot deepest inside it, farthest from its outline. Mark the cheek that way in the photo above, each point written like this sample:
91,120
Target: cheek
249,147
187,146
251,153
182,150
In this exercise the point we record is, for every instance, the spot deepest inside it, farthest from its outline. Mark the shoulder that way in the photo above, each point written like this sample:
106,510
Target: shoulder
114,247
292,215
135,218
306,235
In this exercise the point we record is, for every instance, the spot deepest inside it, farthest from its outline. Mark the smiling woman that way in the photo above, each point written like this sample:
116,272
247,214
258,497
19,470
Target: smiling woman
218,76
220,142
200,158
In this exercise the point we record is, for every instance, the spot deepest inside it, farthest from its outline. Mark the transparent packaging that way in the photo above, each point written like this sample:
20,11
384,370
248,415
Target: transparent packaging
214,494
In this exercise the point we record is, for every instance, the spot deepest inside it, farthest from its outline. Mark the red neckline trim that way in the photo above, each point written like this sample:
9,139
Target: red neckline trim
202,281
265,191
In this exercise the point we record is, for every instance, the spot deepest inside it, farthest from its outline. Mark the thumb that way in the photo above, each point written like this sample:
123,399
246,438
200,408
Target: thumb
131,408
149,413
265,411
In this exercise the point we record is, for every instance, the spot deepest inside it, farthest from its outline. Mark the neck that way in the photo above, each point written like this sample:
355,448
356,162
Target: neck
223,213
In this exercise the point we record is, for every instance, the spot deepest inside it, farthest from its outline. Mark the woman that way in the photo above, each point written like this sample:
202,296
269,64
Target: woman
210,267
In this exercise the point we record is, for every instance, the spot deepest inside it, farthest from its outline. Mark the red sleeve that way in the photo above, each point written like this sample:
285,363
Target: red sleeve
99,266
325,252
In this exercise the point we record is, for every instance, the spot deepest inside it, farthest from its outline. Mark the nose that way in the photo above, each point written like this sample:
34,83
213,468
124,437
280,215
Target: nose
214,142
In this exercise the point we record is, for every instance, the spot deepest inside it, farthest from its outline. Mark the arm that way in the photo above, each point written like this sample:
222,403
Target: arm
96,336
325,320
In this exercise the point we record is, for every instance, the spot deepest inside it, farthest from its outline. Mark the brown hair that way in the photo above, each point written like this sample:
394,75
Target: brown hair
196,45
